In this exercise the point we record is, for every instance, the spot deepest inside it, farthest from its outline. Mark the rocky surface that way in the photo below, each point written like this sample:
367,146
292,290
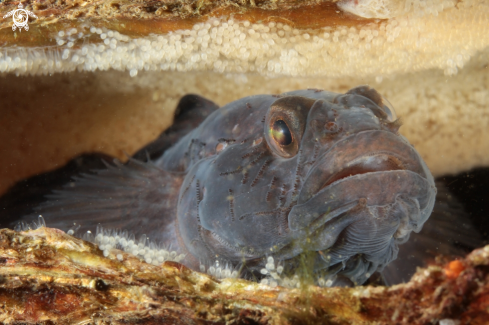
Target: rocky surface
51,277
272,38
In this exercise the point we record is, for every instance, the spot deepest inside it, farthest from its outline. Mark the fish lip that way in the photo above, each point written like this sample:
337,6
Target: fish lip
353,168
379,151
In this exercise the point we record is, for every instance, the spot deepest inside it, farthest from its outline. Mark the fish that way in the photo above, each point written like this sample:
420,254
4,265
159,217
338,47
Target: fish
264,183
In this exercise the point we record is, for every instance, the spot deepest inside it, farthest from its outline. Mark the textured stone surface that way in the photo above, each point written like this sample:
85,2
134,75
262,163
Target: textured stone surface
50,276
274,38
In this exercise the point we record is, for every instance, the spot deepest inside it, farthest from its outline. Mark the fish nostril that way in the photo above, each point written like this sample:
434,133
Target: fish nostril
331,126
223,143
324,129
220,147
257,141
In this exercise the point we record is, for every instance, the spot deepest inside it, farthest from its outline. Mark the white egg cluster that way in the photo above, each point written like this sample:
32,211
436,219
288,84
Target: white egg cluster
220,270
274,277
25,226
108,239
322,282
403,44
152,253
69,37
143,248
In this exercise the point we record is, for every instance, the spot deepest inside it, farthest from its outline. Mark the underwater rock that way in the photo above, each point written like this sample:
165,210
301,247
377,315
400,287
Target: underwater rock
273,38
48,275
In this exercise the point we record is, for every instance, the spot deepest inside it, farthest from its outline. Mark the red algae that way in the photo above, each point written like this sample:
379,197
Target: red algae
453,269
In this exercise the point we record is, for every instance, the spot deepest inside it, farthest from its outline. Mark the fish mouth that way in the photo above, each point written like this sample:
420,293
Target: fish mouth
366,164
362,153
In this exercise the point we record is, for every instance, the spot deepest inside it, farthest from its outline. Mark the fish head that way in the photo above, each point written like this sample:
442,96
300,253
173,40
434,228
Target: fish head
308,172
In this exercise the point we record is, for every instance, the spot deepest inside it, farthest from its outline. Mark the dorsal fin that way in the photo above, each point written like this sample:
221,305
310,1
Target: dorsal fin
190,112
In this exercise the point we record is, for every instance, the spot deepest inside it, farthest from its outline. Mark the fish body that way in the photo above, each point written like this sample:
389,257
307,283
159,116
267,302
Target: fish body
305,172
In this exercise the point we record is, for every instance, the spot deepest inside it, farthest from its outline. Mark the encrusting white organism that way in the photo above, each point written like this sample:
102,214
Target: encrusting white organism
151,253
274,277
108,239
144,248
220,270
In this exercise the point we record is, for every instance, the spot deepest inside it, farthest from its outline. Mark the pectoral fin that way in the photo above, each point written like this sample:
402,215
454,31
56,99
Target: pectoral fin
137,196
448,232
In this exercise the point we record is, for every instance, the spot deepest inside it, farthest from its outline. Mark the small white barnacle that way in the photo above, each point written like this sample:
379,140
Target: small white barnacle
382,9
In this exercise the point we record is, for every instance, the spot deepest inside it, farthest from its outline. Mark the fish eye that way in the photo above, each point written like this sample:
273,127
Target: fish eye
285,124
280,132
283,136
